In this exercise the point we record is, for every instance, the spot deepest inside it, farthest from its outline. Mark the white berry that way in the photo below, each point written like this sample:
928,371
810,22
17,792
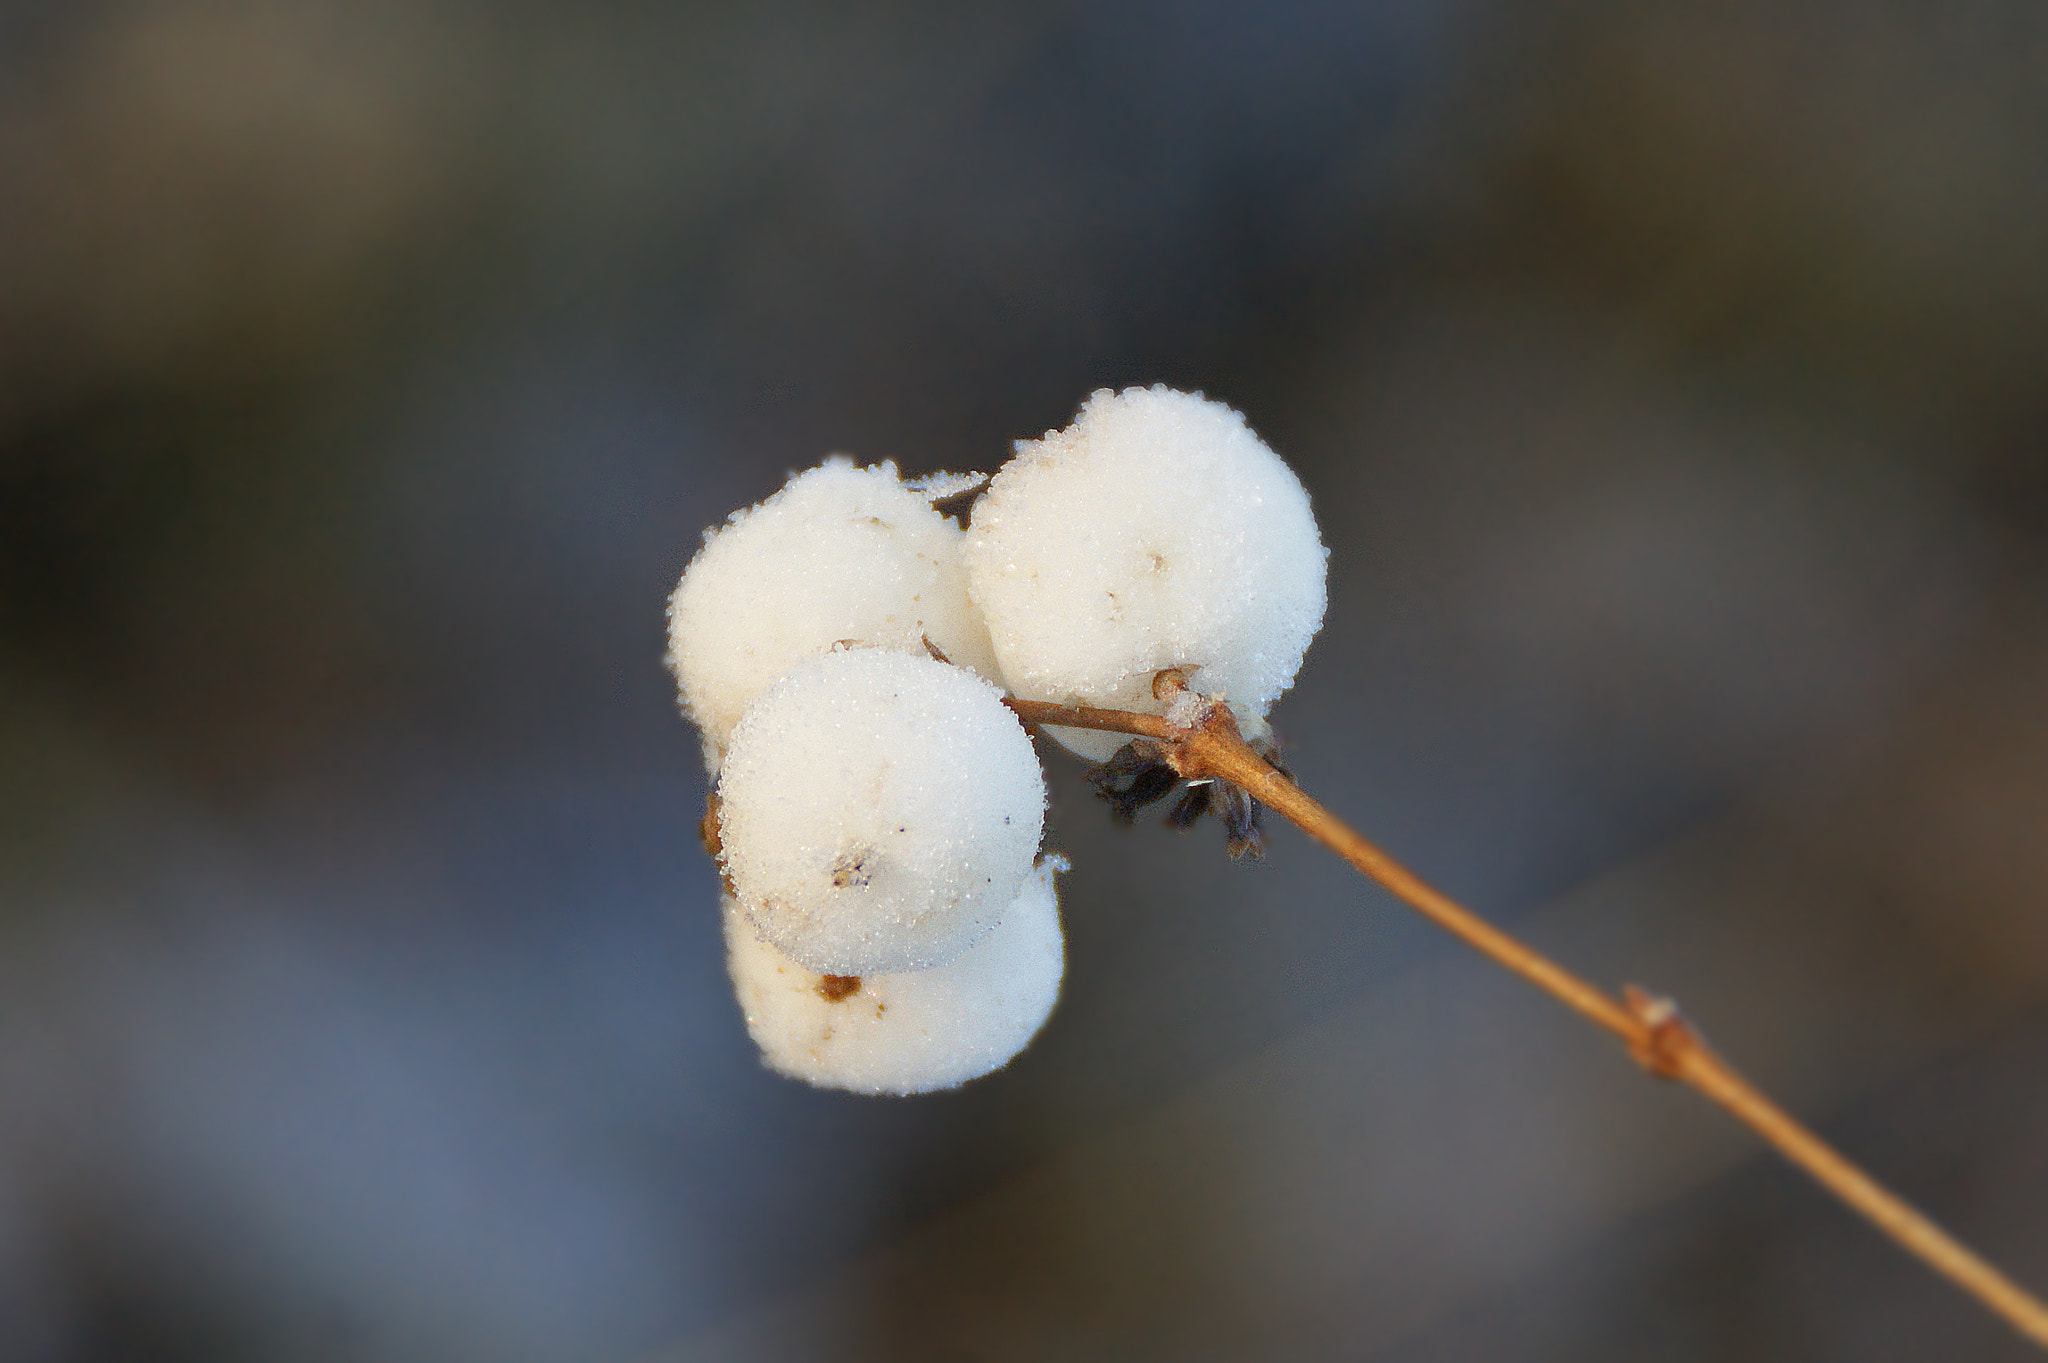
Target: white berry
878,811
838,554
905,1033
1156,531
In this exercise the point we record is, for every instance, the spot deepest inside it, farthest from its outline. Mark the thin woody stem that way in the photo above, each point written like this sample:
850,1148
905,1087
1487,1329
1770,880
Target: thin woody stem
1205,744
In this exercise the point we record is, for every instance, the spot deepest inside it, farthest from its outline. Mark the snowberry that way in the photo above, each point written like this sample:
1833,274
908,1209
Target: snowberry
878,811
840,553
1156,531
905,1033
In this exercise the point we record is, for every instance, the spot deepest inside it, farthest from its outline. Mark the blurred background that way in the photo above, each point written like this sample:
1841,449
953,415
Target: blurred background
1672,385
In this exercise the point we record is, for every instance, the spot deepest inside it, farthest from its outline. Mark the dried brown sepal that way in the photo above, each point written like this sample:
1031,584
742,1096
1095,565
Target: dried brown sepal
1136,776
1242,837
838,988
1191,806
1145,771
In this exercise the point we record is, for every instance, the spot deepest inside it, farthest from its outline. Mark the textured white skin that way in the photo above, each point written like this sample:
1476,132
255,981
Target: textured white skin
912,1032
1156,531
840,553
878,811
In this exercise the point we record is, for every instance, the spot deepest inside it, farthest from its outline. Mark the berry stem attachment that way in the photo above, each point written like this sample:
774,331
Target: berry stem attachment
1201,740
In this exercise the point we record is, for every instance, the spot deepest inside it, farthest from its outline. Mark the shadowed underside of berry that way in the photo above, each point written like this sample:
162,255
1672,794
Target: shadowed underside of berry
910,1032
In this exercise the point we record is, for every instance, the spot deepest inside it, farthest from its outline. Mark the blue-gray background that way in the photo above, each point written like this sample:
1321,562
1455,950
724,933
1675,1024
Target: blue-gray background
1672,384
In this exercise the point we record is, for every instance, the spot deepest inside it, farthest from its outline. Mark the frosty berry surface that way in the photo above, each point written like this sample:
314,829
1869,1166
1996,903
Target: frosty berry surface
844,649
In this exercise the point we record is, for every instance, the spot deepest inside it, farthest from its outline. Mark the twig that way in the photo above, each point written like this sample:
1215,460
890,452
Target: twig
1201,741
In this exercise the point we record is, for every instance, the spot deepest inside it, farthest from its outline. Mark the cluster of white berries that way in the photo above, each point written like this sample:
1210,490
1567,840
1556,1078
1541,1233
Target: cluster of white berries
891,925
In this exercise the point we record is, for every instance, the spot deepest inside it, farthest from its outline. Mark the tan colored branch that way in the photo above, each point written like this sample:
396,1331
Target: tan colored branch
1205,744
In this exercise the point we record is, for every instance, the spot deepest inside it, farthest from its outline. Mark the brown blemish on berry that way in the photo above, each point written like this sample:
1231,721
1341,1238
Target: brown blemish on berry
714,845
707,827
851,869
835,988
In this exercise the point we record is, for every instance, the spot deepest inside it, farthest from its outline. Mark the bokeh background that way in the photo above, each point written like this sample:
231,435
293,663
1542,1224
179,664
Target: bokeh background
1672,385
